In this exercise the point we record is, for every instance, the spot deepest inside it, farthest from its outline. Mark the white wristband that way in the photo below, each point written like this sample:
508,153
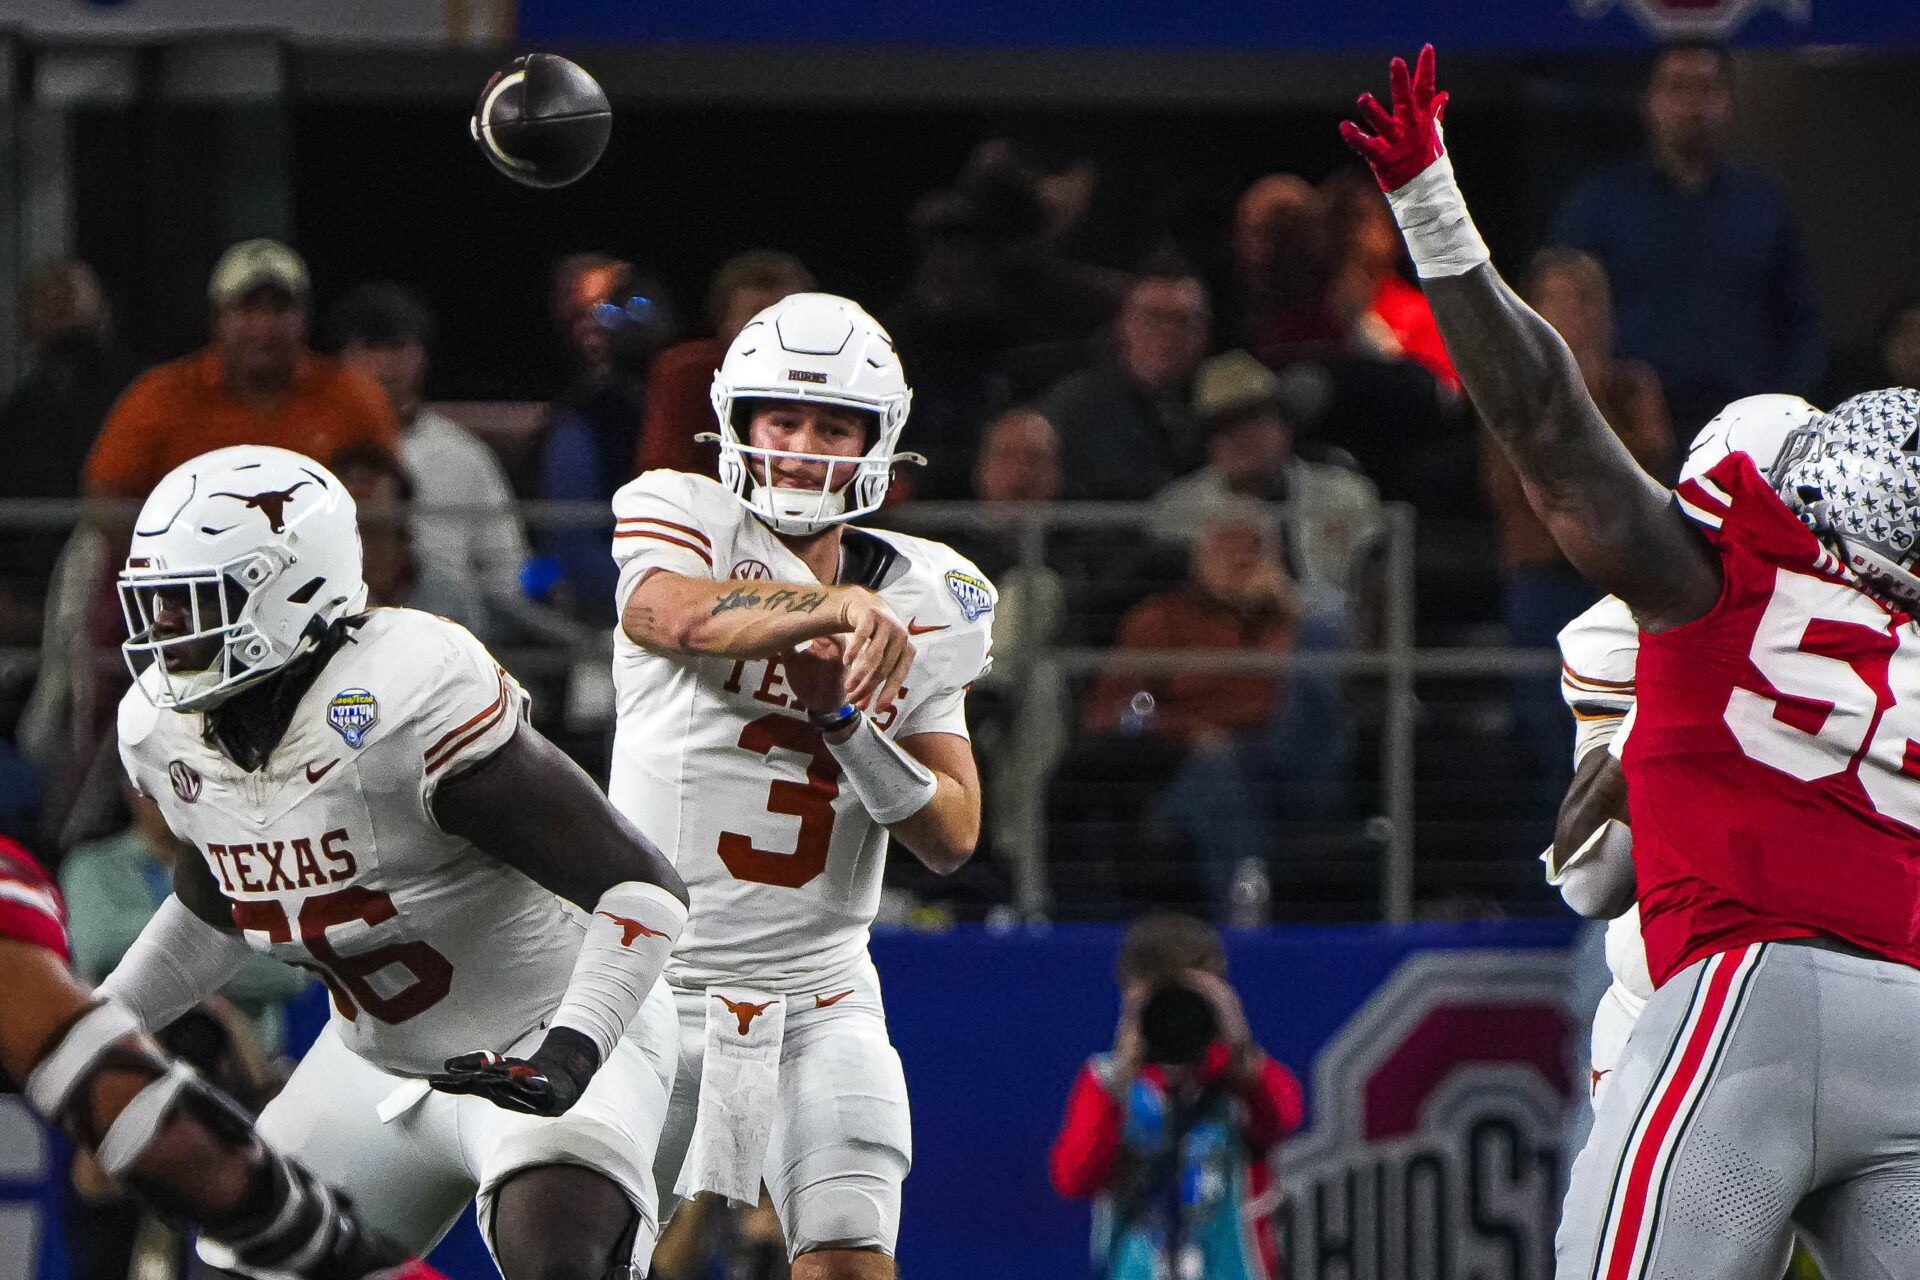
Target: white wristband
629,937
177,961
1432,214
891,784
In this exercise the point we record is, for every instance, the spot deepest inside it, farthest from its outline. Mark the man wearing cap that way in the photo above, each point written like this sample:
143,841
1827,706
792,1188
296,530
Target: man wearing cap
255,383
1332,520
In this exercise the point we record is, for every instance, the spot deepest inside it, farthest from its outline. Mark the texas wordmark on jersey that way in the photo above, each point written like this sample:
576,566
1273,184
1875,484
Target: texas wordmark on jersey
714,760
333,861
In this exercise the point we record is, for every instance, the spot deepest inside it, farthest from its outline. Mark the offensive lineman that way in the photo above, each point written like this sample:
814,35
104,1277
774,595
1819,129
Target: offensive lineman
1771,771
187,1149
791,691
371,804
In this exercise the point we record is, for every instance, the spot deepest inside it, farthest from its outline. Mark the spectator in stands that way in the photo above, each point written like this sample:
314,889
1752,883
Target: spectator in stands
1123,423
1025,214
613,323
255,383
382,490
1284,258
1390,317
386,333
114,885
50,421
1172,1132
1712,287
1019,462
1542,591
1257,748
1333,519
679,405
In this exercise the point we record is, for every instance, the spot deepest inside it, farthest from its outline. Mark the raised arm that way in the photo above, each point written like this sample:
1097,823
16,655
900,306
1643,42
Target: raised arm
1614,522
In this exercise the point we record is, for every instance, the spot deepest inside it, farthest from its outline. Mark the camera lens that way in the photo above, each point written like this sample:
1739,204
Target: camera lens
1177,1024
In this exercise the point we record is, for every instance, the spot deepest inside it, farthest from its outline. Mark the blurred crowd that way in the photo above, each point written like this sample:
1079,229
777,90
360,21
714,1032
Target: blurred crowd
1259,390
1256,393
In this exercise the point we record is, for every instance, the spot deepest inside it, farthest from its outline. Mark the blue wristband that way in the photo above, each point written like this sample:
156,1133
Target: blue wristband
833,719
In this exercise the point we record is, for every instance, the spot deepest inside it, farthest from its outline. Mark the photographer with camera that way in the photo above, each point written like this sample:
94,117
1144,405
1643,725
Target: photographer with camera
1173,1132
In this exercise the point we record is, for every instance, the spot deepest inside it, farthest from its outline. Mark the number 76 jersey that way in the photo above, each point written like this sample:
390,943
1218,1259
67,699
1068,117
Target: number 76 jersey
713,758
331,857
1774,765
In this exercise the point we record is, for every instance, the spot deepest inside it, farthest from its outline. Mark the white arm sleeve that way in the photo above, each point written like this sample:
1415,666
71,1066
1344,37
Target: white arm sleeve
177,961
629,937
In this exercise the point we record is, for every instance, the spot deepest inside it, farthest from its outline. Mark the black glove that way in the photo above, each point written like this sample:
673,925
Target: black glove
546,1084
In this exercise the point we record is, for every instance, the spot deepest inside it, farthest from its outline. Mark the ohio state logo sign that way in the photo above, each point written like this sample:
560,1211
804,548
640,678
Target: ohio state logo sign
1705,19
1435,1152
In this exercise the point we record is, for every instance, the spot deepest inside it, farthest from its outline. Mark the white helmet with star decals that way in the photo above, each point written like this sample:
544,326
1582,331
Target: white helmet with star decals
240,561
824,349
1854,479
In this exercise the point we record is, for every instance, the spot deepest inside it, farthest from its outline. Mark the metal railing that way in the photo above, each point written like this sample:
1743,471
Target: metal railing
1039,671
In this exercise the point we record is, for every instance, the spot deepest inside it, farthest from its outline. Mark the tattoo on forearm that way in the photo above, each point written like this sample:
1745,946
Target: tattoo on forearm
785,600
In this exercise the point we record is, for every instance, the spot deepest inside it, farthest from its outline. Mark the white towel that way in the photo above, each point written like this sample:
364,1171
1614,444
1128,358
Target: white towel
739,1092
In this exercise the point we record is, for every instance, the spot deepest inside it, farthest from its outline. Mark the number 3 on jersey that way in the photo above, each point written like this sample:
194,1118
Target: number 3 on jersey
810,801
1834,663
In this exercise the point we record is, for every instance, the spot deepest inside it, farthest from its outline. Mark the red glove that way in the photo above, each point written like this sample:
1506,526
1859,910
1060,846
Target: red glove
413,1269
1404,143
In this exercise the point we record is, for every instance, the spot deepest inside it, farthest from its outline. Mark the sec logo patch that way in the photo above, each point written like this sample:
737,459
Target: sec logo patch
186,782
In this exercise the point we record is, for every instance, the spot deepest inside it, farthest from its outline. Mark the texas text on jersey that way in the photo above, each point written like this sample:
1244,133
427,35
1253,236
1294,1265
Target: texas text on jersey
332,858
1773,766
715,761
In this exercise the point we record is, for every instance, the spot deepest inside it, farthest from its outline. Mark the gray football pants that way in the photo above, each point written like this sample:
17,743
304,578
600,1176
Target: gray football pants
1768,1087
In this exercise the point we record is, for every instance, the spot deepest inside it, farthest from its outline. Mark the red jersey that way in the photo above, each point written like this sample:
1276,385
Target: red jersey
1772,768
30,905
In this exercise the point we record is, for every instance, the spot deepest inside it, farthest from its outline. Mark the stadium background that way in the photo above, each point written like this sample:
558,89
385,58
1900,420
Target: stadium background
144,136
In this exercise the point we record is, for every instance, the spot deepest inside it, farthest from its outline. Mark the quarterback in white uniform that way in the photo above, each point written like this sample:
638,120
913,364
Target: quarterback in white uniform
371,804
1598,653
792,691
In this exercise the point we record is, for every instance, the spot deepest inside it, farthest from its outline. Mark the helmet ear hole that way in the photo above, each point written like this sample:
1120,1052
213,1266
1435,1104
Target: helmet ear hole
306,591
1807,493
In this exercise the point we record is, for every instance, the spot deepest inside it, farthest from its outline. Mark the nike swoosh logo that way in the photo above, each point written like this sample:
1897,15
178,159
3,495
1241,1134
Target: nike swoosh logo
821,1002
915,629
314,775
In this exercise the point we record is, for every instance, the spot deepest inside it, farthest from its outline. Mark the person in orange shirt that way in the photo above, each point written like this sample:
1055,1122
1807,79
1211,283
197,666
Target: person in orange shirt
254,383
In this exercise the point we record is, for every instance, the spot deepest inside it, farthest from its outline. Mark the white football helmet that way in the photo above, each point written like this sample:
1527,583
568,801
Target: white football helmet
240,560
1854,479
1757,426
825,349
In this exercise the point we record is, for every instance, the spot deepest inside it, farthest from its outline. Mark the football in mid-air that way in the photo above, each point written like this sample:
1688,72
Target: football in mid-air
542,120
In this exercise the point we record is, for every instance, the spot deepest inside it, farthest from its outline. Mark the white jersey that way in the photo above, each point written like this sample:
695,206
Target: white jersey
1598,653
332,858
715,762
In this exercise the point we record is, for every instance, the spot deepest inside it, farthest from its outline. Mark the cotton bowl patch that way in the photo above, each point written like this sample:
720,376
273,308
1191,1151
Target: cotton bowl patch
352,712
974,596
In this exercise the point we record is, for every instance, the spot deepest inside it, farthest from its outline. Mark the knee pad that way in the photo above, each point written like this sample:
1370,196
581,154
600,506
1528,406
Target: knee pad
847,1211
